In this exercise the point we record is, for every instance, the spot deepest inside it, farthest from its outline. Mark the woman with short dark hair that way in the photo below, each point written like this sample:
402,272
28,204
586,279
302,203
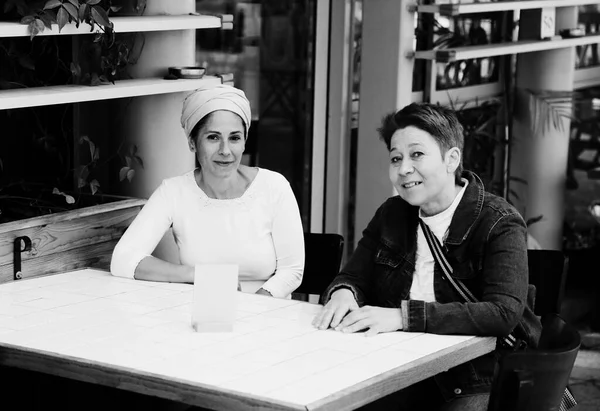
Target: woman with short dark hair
394,279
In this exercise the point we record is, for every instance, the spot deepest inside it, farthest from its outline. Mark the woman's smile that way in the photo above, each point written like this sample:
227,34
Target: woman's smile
411,184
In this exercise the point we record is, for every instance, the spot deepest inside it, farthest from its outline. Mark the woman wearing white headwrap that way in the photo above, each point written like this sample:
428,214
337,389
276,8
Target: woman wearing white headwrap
221,212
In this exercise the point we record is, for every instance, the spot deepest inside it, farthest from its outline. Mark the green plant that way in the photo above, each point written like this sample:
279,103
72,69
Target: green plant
54,184
100,59
481,138
481,126
547,108
44,166
84,172
39,15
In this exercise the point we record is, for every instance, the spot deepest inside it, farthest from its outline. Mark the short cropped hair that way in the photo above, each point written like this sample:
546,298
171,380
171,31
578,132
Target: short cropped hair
440,122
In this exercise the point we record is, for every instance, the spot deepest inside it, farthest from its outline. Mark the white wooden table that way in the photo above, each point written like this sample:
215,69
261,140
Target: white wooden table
137,335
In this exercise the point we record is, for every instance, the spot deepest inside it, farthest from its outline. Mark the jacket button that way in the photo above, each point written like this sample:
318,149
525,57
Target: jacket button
457,391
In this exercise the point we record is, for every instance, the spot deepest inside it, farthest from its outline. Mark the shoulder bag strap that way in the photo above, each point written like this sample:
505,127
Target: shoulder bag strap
440,257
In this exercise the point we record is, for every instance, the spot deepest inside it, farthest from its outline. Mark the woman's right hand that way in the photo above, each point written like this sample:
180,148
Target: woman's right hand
341,303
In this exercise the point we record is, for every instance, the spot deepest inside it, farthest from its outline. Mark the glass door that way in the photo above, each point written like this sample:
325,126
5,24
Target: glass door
271,53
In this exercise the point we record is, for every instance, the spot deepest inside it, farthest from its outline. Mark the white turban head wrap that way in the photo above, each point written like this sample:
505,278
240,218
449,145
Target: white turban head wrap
205,100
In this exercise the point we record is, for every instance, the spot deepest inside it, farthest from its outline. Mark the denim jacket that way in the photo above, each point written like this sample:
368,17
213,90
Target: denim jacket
486,245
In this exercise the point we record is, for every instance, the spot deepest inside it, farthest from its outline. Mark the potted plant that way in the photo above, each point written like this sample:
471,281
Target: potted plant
56,207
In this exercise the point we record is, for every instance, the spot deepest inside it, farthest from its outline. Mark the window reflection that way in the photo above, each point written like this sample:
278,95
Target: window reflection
357,44
270,52
589,20
461,31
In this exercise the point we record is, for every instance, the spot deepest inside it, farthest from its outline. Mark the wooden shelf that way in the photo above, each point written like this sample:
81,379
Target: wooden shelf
46,96
469,8
502,49
122,25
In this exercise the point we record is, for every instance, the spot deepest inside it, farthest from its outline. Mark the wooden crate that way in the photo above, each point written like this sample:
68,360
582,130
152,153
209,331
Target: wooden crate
67,240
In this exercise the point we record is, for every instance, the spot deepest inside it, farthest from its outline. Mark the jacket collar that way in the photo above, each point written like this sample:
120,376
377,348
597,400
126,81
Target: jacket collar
468,210
406,216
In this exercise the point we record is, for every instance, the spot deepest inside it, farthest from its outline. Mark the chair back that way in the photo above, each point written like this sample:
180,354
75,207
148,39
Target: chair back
548,272
535,379
323,257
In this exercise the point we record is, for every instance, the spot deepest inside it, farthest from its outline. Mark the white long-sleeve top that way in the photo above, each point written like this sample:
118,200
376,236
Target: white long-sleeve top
261,231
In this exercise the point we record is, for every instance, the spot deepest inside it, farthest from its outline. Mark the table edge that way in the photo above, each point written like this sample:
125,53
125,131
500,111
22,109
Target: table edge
395,379
95,372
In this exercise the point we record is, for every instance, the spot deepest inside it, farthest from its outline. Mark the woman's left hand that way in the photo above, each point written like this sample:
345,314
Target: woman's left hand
376,319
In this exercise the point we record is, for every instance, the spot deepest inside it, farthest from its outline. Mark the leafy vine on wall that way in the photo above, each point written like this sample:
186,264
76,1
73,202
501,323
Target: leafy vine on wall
38,170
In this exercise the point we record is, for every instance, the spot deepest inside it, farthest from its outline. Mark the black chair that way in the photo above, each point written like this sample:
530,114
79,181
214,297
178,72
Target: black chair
535,380
548,272
323,257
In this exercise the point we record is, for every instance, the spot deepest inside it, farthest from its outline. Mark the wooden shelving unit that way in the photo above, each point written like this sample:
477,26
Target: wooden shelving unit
63,94
122,25
471,8
46,96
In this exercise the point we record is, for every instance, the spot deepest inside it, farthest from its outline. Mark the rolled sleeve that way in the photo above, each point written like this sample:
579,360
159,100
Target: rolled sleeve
327,296
124,262
414,315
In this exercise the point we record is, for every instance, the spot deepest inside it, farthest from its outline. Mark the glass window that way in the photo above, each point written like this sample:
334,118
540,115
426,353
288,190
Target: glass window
461,31
270,52
589,20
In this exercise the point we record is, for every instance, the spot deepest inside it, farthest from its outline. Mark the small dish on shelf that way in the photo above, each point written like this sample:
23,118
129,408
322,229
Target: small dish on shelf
189,72
572,33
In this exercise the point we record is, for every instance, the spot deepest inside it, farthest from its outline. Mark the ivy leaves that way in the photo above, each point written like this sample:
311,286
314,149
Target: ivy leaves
102,57
38,23
548,108
127,172
68,198
131,159
63,12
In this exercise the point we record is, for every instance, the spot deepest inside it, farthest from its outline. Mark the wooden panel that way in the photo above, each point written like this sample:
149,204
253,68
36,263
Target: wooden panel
67,240
96,255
